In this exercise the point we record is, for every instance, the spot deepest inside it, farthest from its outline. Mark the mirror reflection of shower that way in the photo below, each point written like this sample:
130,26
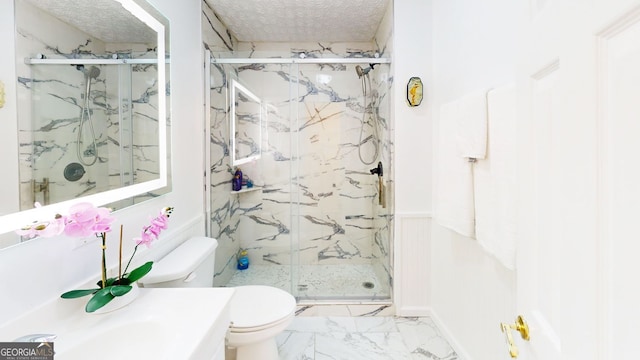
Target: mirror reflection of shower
86,118
371,111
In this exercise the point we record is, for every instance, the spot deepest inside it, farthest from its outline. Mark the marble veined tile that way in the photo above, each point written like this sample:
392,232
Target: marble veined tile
363,338
371,310
375,324
296,345
323,324
355,310
424,339
370,346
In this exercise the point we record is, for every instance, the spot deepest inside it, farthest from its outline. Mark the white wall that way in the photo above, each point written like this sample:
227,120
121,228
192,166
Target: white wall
474,47
40,270
456,47
412,56
9,181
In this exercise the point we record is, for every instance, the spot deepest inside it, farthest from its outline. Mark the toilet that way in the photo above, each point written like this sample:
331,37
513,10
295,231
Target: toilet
258,313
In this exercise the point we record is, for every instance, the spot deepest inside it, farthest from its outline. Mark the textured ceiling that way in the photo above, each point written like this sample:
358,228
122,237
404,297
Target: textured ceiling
106,20
301,20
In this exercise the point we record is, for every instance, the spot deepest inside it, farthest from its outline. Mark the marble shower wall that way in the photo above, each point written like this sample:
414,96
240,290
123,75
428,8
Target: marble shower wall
318,203
50,102
224,216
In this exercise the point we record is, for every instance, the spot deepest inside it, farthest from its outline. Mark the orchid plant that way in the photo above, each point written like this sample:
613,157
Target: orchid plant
84,220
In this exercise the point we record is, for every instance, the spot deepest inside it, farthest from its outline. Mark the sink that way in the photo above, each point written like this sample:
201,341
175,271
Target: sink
162,323
125,341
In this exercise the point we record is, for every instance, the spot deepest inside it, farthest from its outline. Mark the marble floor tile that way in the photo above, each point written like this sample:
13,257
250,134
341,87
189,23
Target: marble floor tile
296,345
357,345
424,339
364,338
323,324
375,324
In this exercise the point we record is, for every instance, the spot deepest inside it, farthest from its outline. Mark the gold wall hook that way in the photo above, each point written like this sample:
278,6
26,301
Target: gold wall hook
521,327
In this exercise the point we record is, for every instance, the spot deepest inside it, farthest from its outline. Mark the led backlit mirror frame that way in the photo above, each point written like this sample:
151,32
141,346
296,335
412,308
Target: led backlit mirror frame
236,89
11,222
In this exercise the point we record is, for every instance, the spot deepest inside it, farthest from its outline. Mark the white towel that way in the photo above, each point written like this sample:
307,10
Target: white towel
495,180
453,198
471,125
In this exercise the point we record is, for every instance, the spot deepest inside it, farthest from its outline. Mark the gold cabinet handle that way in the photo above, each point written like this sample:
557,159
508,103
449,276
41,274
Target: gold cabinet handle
521,327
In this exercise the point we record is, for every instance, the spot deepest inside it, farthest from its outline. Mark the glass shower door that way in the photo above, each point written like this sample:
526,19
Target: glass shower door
343,230
315,226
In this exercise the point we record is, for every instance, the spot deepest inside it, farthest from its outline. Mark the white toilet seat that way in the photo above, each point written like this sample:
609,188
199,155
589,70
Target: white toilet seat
256,307
236,329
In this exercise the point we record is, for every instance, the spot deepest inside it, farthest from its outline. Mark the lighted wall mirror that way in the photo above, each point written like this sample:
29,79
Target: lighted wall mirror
246,114
92,107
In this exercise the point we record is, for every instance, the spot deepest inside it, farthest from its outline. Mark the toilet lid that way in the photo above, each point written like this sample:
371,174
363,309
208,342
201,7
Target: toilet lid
258,305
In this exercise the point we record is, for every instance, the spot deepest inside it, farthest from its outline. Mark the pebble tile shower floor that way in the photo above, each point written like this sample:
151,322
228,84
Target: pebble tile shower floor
317,281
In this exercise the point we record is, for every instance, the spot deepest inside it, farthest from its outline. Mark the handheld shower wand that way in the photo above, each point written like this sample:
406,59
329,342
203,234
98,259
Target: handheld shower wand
370,108
91,73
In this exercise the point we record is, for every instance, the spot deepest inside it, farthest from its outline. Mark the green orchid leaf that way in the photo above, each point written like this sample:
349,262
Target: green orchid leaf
137,273
77,293
110,281
119,290
124,281
99,299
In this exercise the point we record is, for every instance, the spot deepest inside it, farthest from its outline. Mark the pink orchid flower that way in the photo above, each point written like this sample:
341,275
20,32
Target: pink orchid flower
43,229
85,219
54,227
151,232
145,239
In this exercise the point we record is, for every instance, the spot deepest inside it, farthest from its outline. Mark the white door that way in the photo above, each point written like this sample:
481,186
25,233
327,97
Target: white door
579,179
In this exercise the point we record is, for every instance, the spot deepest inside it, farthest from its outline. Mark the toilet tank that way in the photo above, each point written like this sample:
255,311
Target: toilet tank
191,264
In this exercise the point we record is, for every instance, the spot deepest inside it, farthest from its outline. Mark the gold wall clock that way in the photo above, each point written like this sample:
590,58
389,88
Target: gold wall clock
414,91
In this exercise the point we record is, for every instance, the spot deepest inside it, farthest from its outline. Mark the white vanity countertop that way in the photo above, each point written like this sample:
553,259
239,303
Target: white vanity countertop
161,323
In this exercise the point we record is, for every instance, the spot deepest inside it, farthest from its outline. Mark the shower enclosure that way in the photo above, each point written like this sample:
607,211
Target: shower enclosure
318,220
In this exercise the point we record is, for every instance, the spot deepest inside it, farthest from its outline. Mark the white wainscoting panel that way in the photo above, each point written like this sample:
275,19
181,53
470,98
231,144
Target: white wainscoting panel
412,264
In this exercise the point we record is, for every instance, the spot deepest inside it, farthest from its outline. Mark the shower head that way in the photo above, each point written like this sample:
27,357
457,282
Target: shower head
92,73
361,72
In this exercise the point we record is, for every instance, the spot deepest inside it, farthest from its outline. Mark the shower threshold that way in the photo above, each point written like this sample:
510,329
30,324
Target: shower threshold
321,284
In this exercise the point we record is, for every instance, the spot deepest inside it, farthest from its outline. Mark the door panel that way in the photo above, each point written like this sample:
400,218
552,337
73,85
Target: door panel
579,184
538,285
619,128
